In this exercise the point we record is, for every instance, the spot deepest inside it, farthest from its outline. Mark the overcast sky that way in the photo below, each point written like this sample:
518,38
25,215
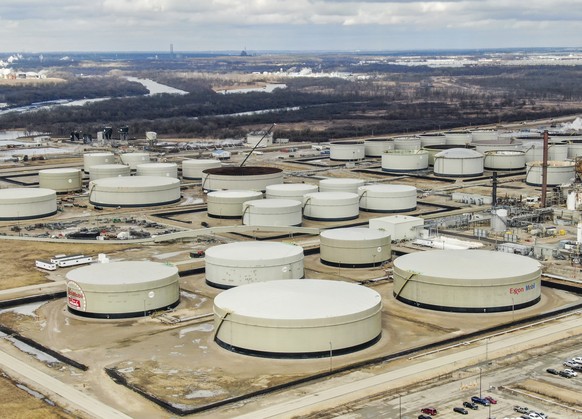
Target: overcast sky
211,25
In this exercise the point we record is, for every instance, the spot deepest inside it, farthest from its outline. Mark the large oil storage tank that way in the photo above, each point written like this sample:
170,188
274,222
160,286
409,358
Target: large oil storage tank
331,206
459,138
101,171
534,150
407,143
120,290
229,204
290,191
133,159
375,147
347,150
470,281
433,150
574,149
61,180
559,172
233,264
484,135
157,169
134,191
458,162
483,146
387,198
27,203
504,160
404,161
93,159
432,139
192,169
248,178
340,185
355,247
306,318
272,212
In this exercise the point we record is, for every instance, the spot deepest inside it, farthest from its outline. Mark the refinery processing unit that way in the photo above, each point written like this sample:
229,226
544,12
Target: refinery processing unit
226,288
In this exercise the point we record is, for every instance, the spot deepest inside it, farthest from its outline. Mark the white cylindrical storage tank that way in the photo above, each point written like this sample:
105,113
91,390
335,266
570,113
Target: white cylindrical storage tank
534,151
574,149
101,171
331,206
290,191
355,247
308,318
340,185
272,213
482,146
485,135
499,220
407,143
192,169
467,281
229,204
504,160
157,169
559,172
458,137
93,159
134,191
61,180
248,178
119,290
133,159
27,203
458,162
375,147
387,198
347,150
233,264
433,150
404,161
151,136
432,139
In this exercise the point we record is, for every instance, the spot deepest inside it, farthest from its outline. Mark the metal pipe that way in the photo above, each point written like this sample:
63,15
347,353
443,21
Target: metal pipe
545,170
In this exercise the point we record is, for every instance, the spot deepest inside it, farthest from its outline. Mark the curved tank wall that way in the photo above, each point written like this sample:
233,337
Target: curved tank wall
331,206
458,162
432,139
272,212
27,203
459,138
504,160
118,290
134,191
133,159
407,143
347,150
229,204
157,169
306,318
574,149
387,198
559,172
355,247
404,161
340,185
101,171
484,135
233,264
375,147
483,146
470,281
433,150
290,191
192,169
93,159
534,151
61,180
250,178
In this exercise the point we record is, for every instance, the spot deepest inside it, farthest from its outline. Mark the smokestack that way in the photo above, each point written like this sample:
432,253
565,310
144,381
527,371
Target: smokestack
545,170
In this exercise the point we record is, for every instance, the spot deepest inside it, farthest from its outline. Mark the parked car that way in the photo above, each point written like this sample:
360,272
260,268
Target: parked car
533,415
460,410
490,399
571,372
424,417
542,415
480,400
565,374
572,364
552,371
470,405
521,409
429,410
577,359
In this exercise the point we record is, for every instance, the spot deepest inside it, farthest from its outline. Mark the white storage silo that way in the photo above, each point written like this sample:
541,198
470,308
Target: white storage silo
272,213
93,159
355,247
157,169
432,139
458,162
286,319
133,159
433,150
467,281
27,203
404,161
119,290
248,178
484,135
61,180
482,146
559,172
347,150
101,171
233,264
407,143
387,198
331,206
290,191
340,185
375,147
504,160
459,138
534,151
134,191
151,136
192,169
499,220
229,204
574,149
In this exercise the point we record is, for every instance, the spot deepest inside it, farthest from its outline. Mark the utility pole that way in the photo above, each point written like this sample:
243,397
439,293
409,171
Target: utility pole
545,170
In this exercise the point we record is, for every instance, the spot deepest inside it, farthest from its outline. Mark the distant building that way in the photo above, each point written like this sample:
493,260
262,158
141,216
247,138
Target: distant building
259,137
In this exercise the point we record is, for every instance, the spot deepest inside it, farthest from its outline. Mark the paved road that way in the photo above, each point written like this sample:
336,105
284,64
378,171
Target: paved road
346,393
49,385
